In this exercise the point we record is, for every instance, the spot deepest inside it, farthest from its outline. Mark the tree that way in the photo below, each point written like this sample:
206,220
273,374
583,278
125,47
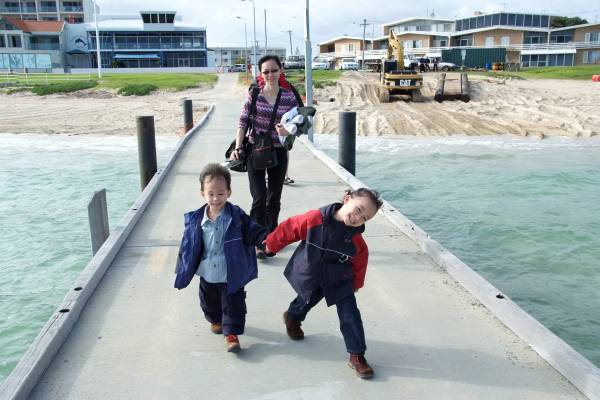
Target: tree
561,22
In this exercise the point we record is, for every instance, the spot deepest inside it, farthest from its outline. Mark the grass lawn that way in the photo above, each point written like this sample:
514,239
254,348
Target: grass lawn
59,83
581,72
176,81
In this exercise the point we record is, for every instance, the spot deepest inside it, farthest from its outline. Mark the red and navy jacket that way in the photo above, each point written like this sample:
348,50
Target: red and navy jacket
331,255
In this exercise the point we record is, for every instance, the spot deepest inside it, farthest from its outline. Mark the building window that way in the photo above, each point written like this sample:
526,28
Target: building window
2,44
496,19
519,20
503,19
488,20
591,57
489,41
505,40
528,20
511,19
536,21
14,41
545,21
592,37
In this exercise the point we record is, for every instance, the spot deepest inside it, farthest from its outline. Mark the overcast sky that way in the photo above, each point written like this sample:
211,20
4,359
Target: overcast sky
328,18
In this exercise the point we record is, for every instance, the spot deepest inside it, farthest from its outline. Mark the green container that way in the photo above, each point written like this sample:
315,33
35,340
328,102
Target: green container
474,58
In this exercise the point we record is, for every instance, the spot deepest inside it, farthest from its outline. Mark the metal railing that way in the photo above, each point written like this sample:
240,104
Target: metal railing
71,8
39,78
48,9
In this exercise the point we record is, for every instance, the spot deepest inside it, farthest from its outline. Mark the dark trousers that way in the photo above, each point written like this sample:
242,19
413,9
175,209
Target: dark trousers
266,197
351,324
220,307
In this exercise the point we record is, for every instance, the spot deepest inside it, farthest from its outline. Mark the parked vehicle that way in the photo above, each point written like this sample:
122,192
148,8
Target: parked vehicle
320,63
238,68
446,66
292,62
348,63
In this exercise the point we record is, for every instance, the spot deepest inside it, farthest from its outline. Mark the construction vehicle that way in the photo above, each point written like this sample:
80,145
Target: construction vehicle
395,78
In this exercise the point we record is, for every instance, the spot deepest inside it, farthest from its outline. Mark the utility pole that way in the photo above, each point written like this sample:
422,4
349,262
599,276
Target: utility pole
308,61
291,49
265,31
364,25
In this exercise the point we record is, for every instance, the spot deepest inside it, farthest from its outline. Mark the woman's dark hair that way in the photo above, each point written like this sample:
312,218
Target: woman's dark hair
364,192
269,57
212,171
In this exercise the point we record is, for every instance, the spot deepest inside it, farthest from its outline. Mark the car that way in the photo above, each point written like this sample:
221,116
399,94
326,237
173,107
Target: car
348,63
238,68
320,63
446,66
292,62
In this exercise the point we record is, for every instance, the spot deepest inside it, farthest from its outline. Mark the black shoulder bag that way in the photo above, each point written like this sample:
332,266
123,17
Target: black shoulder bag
263,154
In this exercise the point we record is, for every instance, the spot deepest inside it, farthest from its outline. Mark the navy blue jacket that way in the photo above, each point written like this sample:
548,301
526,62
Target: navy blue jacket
242,235
331,255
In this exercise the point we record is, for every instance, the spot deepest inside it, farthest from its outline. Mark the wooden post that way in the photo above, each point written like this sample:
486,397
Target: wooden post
146,149
465,88
347,141
98,217
188,115
439,91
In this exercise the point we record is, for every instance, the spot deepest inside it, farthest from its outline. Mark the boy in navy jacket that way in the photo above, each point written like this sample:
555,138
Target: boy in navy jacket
218,245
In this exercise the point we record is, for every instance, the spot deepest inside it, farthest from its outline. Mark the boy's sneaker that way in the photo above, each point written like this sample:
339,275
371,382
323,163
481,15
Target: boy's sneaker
217,328
358,363
293,327
233,344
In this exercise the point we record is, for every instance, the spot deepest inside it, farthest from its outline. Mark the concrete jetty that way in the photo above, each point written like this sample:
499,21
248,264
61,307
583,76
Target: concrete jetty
428,337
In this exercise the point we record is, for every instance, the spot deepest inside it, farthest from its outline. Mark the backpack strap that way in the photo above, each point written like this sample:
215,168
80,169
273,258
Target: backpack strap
297,95
274,115
252,109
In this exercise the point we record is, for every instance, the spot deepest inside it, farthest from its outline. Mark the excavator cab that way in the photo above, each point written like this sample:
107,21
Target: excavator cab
395,78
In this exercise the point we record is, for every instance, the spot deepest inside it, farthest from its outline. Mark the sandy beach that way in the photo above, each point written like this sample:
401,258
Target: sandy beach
537,108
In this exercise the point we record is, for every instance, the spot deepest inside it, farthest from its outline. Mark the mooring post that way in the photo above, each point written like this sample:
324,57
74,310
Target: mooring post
146,149
188,115
347,141
98,218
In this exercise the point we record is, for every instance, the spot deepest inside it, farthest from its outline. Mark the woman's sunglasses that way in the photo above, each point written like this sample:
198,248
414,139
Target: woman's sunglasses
270,71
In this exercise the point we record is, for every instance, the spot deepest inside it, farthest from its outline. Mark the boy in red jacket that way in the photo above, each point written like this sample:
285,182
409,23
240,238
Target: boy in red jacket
330,262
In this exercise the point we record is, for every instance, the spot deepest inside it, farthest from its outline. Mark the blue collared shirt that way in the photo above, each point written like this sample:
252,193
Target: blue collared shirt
213,266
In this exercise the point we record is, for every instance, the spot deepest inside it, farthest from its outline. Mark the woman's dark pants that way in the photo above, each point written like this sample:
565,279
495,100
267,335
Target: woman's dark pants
266,196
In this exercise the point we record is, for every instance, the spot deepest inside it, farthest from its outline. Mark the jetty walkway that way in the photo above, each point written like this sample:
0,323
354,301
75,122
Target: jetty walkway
428,338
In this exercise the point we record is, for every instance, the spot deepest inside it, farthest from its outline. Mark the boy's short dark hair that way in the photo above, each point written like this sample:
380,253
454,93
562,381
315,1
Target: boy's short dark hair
212,171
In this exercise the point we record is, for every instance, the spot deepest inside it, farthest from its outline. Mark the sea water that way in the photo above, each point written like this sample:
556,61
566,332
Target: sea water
523,213
46,182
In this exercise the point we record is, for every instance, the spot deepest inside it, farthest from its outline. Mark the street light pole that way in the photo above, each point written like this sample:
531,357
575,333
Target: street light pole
308,65
98,59
245,48
254,66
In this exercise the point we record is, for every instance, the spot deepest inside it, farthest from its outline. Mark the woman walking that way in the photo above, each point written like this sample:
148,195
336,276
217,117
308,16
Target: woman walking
267,159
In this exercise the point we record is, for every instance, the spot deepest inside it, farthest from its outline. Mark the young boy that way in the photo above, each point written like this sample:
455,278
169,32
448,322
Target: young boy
218,245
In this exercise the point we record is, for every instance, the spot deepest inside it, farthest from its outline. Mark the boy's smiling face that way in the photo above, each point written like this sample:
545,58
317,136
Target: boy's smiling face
215,193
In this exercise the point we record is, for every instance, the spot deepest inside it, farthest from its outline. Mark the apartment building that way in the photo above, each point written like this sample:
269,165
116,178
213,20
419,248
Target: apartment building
526,39
71,11
227,56
31,45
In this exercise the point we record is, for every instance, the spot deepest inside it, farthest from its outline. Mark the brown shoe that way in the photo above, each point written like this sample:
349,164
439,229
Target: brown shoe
233,344
216,328
293,327
358,362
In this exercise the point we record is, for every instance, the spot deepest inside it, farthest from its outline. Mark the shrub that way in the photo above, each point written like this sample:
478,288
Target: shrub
137,89
63,87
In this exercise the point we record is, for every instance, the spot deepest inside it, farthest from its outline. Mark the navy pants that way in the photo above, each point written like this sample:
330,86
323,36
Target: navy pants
350,322
266,196
222,308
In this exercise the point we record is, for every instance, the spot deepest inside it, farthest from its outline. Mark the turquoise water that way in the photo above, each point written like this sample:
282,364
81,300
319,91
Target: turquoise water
46,183
525,214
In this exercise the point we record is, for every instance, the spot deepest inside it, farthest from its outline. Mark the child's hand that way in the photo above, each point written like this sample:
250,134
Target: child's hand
267,251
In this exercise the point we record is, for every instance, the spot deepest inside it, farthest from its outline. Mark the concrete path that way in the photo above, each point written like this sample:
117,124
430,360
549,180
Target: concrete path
427,338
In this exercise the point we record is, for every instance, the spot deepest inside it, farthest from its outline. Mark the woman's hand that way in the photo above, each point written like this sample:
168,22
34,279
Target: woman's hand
235,154
281,131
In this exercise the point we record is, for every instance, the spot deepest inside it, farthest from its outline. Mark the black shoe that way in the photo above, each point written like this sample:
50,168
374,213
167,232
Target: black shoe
261,255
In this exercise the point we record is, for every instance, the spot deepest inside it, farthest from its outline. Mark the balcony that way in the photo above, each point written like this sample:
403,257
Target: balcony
72,9
44,46
10,9
51,9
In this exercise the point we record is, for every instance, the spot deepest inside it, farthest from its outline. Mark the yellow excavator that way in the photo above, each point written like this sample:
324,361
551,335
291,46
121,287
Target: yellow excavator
395,78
